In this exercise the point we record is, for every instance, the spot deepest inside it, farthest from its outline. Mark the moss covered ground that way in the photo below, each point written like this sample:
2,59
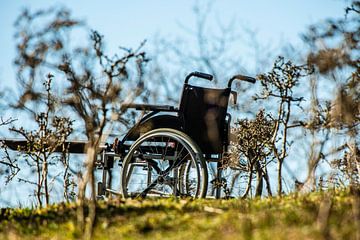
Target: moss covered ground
326,215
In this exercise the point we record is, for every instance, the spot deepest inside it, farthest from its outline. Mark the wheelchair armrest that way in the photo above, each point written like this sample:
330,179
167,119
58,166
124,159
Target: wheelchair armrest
149,107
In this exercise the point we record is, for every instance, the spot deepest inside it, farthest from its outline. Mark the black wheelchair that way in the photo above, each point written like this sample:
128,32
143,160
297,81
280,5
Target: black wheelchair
166,153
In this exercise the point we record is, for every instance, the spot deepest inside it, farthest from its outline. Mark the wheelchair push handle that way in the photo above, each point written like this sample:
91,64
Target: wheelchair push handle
242,78
199,75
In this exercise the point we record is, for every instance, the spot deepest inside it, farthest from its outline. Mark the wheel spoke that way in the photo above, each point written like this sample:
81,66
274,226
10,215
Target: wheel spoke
146,190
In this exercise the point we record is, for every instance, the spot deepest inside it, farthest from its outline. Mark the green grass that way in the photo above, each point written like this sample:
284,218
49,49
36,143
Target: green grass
290,217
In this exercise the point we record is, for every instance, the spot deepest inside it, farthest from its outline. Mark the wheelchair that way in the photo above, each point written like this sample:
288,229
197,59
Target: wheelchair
167,151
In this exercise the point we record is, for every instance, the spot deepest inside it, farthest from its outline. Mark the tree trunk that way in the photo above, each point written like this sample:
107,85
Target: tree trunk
249,182
89,228
267,180
259,180
233,181
45,181
280,190
84,180
39,184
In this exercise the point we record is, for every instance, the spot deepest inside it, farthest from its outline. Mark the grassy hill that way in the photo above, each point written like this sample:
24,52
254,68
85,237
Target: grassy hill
315,216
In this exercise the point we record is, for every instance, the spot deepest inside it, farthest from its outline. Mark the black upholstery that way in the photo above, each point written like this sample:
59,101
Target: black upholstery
204,111
153,122
149,107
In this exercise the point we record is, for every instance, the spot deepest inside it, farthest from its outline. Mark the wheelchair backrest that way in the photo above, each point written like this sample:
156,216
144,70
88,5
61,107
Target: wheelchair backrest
204,111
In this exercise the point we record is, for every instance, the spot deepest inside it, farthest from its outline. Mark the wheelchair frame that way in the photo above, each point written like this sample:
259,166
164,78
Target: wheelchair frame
200,125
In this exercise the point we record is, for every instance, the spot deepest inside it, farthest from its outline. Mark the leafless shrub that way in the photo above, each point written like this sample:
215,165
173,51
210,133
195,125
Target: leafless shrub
11,166
334,51
93,88
252,150
278,85
348,166
41,144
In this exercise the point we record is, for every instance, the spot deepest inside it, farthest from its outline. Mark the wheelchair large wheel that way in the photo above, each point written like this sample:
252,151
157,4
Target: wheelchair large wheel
164,162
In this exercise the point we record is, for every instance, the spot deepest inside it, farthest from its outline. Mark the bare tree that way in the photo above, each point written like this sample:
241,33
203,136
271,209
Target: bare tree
91,102
93,88
334,48
208,45
51,134
279,85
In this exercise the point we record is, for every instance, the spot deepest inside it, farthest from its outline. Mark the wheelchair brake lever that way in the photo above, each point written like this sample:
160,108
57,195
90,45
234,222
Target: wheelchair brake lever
234,93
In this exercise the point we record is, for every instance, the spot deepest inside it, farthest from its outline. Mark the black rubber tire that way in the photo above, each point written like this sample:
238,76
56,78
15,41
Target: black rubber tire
166,154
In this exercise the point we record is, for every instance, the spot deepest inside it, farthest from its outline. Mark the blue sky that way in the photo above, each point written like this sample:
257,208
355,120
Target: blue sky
127,23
